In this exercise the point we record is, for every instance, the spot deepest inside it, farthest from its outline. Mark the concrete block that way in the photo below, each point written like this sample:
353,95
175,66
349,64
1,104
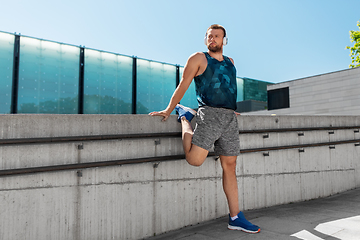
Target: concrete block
125,174
35,155
356,159
112,211
253,164
313,185
181,203
282,188
315,159
106,202
239,165
249,122
342,180
280,162
181,169
223,205
341,157
254,193
43,213
39,181
341,135
314,137
281,139
250,141
53,125
117,150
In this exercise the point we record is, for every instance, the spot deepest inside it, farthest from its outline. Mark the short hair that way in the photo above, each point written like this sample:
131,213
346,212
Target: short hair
217,26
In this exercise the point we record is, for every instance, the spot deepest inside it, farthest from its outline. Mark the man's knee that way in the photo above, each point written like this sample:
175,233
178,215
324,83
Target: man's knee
228,163
229,167
196,156
195,161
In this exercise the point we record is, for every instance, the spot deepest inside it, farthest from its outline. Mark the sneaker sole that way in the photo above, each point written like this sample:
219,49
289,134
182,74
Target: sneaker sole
242,229
188,111
193,112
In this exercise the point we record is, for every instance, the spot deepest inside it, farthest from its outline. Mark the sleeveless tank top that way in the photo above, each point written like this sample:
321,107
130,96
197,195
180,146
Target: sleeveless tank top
216,86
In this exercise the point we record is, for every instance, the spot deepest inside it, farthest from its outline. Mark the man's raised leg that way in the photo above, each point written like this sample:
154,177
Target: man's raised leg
194,155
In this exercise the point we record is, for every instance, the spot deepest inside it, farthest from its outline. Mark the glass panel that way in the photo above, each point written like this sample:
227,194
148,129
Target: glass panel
240,89
48,77
107,83
6,69
155,85
255,90
189,99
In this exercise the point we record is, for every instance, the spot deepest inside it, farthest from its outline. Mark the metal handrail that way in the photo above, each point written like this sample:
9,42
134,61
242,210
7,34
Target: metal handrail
151,135
7,172
86,138
32,170
279,130
299,146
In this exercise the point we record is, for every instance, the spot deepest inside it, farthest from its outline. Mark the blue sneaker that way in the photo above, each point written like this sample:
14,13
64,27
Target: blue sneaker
186,112
242,224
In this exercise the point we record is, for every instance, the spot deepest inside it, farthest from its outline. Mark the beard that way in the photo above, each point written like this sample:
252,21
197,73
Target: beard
215,48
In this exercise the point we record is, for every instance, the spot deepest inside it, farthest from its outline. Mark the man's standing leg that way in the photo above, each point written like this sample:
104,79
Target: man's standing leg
230,186
237,220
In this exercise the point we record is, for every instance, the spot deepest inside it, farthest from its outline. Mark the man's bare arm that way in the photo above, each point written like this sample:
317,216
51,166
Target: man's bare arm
190,71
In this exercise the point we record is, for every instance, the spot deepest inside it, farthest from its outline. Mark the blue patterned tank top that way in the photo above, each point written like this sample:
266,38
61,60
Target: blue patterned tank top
216,86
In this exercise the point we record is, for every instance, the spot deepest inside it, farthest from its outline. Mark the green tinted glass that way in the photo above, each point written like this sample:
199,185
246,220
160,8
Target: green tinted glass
255,90
189,99
107,83
155,85
240,89
6,69
48,77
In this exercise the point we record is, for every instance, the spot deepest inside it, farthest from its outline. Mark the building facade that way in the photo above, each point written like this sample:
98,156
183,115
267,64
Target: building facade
335,93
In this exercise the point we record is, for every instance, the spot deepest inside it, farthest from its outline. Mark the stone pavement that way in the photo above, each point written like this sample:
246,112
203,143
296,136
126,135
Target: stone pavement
334,217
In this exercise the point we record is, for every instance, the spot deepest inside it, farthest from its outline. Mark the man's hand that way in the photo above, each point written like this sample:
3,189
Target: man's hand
162,113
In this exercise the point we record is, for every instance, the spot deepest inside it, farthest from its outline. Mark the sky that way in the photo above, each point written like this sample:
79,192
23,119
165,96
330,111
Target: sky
269,40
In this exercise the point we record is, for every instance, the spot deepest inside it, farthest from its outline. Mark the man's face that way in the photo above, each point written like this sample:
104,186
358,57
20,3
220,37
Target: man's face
214,40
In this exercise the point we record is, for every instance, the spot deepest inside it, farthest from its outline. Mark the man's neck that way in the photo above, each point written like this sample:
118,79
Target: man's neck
216,55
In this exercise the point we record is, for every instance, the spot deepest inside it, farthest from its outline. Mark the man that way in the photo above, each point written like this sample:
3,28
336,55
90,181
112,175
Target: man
216,122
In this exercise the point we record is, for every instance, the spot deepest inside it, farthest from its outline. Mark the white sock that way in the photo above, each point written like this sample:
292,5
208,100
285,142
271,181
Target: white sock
234,218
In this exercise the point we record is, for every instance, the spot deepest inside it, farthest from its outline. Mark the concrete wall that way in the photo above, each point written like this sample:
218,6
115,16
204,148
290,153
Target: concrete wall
139,200
335,93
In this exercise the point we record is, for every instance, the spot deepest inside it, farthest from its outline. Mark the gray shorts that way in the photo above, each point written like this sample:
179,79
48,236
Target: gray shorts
217,127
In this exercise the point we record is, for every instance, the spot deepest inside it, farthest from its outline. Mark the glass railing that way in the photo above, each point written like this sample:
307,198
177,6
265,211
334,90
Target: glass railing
6,70
107,83
48,77
49,73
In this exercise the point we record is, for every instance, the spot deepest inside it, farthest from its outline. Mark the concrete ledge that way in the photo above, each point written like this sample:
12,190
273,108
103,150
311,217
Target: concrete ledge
137,201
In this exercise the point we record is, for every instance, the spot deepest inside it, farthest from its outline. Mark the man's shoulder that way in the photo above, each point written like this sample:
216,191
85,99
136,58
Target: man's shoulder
198,57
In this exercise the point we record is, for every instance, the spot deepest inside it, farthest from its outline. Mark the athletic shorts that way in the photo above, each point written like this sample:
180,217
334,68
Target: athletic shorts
217,127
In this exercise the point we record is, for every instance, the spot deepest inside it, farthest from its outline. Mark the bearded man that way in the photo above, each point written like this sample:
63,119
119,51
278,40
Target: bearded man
216,121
